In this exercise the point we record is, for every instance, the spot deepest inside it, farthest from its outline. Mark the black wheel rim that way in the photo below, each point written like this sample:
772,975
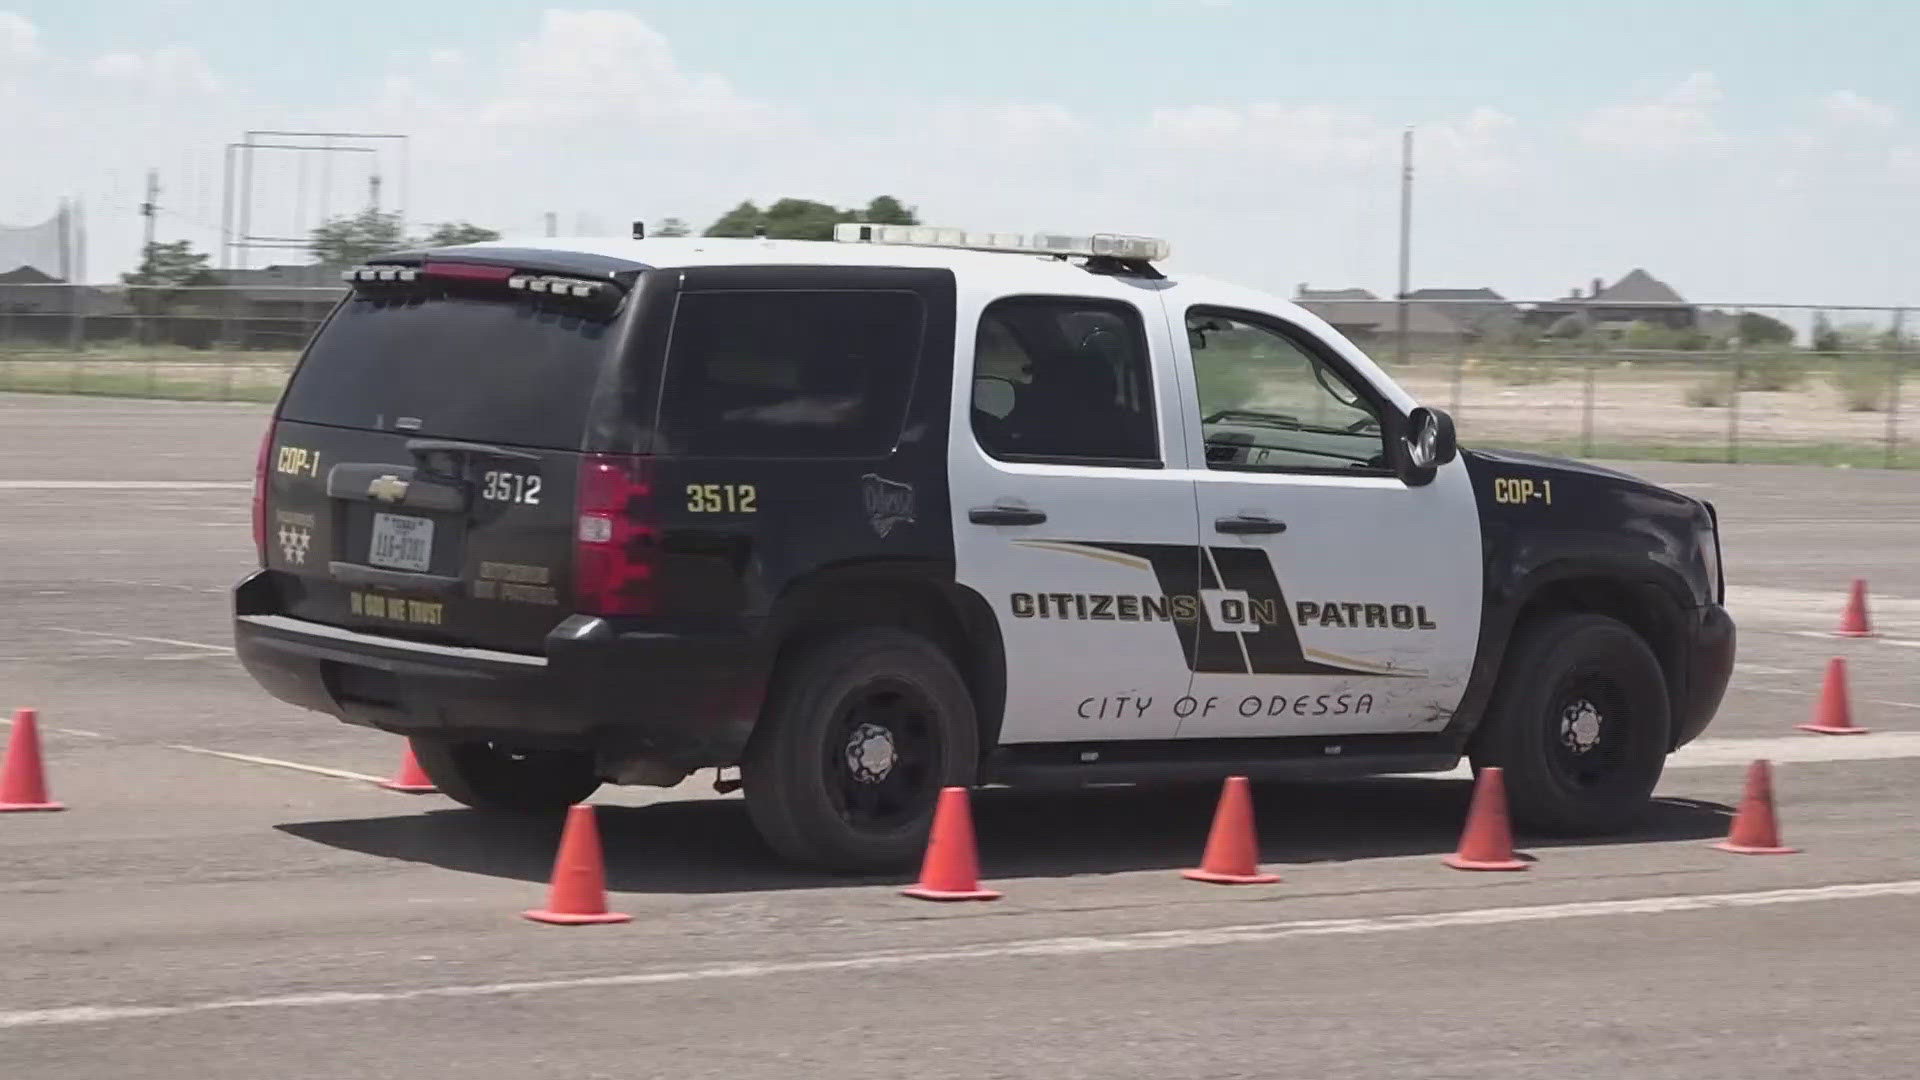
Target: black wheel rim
1590,730
882,757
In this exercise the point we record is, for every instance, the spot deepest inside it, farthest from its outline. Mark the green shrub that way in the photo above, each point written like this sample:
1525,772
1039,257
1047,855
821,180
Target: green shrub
1771,371
1862,387
1708,393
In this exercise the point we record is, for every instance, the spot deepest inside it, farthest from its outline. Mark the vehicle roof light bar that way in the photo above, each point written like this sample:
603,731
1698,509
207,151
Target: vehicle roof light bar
1060,245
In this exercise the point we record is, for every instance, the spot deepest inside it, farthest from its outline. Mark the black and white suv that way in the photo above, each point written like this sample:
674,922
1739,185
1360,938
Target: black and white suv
926,507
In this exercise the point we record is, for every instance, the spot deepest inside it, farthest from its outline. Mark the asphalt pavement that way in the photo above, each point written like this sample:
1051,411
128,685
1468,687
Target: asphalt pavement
269,913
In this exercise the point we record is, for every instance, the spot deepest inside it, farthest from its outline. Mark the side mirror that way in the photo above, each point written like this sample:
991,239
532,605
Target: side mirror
1428,444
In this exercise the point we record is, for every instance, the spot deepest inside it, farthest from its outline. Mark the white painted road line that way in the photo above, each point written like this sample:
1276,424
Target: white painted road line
317,770
1801,749
148,640
1904,643
125,485
1091,945
1809,694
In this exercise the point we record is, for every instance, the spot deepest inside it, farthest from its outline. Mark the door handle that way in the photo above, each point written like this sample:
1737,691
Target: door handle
1005,515
1248,525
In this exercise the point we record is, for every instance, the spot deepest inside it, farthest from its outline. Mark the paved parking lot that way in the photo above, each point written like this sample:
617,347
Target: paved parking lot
206,916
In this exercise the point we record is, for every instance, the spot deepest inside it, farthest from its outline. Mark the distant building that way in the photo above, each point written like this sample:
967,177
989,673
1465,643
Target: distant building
1369,321
278,306
1639,297
1484,312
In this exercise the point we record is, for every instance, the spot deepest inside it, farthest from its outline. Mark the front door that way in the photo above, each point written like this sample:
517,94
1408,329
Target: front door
1068,518
1337,599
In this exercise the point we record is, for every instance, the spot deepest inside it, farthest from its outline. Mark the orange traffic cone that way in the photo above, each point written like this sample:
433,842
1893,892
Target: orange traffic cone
1487,842
579,892
23,779
952,867
411,779
1853,621
1233,849
1755,830
1833,716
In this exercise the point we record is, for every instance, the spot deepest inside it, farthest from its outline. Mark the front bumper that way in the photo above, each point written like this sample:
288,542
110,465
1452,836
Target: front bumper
1709,669
684,699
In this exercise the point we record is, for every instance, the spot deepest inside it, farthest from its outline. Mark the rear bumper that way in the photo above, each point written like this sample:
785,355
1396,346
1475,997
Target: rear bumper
1709,670
684,699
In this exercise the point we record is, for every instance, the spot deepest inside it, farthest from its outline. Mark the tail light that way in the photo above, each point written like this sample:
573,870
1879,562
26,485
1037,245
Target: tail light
260,495
615,550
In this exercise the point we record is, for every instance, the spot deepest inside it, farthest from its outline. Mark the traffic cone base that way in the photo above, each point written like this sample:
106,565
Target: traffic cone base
561,918
578,895
1825,729
1213,878
1487,841
411,779
1232,856
1756,828
1459,862
23,778
1751,849
951,870
919,893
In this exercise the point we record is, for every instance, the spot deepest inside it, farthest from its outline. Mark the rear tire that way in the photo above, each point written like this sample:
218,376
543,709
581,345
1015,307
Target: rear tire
858,737
487,776
1580,724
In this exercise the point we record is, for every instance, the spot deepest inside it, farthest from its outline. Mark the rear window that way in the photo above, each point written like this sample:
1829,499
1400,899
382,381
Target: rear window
789,373
496,371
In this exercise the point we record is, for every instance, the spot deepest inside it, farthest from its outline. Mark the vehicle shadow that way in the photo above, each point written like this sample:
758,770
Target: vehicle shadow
709,846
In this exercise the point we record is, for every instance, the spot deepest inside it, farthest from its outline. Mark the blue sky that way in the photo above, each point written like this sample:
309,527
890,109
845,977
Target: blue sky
1760,150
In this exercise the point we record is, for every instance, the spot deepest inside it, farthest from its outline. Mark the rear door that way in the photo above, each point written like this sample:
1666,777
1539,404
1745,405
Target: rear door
423,468
1068,520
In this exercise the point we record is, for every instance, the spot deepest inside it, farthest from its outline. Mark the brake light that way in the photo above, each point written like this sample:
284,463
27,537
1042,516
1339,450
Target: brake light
614,548
458,271
260,495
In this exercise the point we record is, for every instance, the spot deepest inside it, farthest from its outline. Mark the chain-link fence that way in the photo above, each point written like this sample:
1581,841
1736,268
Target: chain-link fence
199,343
1702,382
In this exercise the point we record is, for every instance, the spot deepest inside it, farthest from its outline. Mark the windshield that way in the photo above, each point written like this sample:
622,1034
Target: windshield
496,371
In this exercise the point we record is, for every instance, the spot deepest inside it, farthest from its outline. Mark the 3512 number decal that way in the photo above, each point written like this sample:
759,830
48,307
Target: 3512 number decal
722,498
509,487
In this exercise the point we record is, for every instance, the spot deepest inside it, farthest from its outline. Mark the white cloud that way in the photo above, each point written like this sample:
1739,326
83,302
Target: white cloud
170,70
1679,119
590,67
18,37
1848,109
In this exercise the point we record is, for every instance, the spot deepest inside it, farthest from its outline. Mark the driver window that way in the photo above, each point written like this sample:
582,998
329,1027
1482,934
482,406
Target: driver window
1267,403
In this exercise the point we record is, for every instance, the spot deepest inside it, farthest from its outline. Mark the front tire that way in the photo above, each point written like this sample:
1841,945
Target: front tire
1580,724
488,776
859,735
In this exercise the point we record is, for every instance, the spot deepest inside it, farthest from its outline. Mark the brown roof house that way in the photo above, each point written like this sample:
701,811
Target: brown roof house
1371,322
1639,297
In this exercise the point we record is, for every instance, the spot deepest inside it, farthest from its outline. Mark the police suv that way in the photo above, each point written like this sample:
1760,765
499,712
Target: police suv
927,507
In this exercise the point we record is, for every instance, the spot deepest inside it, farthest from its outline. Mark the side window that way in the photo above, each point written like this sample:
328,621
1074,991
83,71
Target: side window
1064,379
790,373
1267,403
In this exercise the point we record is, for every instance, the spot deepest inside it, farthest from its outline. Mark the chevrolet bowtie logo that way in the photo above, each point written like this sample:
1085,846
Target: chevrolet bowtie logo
387,489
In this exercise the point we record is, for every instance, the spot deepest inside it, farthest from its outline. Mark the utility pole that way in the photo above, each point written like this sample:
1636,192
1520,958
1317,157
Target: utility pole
149,210
373,193
1406,242
553,223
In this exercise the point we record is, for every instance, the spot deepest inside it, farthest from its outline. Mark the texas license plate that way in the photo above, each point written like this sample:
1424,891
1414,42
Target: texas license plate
401,542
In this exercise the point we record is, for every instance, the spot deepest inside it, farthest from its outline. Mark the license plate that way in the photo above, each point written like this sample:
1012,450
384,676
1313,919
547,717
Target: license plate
401,542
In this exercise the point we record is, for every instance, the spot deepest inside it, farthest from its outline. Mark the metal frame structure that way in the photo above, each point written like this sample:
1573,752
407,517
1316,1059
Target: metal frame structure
237,194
